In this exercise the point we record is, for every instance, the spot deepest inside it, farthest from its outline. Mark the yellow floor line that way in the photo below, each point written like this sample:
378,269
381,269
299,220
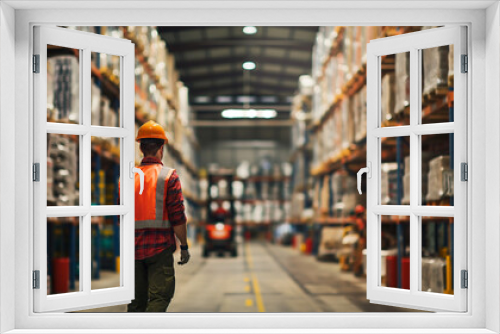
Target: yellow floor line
258,296
255,282
249,302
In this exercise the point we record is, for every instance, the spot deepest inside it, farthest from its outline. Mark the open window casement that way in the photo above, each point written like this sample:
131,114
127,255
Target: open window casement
75,140
416,128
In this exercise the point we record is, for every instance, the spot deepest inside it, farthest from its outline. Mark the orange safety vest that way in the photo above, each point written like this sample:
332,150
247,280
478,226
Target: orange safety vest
150,211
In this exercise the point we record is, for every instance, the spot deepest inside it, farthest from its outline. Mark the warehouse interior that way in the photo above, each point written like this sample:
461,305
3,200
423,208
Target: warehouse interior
267,130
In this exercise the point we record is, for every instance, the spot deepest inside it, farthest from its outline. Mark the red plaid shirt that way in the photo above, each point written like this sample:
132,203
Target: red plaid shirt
151,241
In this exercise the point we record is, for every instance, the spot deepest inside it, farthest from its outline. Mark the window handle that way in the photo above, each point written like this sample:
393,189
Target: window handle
133,170
368,171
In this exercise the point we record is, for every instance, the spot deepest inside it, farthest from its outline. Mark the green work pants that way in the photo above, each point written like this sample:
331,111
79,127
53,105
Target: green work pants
154,283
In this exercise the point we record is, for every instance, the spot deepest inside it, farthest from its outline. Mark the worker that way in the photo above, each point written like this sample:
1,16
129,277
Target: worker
159,218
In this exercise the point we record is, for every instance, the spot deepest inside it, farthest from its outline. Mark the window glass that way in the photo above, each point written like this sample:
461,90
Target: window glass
63,255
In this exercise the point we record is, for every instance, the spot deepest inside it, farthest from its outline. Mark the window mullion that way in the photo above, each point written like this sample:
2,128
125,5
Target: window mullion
415,169
85,167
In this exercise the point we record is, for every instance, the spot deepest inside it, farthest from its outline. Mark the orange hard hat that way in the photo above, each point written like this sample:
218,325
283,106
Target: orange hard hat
151,129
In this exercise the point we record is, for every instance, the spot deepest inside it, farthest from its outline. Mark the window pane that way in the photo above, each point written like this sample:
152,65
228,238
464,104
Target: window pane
437,169
395,252
395,171
105,171
105,90
105,252
437,84
63,85
437,254
63,255
63,174
395,90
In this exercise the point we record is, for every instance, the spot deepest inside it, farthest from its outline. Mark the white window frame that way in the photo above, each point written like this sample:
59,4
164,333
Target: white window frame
414,43
87,43
482,19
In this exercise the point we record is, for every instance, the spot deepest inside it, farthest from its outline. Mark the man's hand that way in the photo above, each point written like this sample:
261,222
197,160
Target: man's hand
184,257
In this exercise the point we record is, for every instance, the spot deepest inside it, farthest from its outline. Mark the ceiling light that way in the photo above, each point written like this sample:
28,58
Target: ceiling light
249,65
250,30
249,113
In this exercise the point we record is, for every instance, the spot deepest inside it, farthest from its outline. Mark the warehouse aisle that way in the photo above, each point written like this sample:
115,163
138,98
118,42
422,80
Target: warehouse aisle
270,278
266,278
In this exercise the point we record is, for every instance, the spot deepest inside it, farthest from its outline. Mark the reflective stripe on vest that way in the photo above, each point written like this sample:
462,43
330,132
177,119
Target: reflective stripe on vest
164,174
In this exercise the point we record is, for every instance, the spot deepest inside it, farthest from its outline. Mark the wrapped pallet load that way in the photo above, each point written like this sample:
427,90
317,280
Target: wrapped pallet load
388,97
402,84
325,196
360,115
406,182
433,275
330,243
348,52
388,183
347,132
440,179
338,191
435,68
349,197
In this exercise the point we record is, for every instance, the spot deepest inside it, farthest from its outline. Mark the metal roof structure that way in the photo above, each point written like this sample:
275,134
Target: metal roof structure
209,61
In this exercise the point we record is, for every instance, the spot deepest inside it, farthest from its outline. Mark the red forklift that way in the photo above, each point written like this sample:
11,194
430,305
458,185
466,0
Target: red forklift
220,229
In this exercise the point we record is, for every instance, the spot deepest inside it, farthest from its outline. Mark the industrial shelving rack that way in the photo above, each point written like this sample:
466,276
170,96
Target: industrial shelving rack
105,162
438,107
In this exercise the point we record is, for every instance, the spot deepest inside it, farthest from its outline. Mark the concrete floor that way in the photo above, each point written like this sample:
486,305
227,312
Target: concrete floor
263,278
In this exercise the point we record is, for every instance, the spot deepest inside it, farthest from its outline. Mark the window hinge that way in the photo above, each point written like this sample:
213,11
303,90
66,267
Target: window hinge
465,64
36,172
464,172
464,279
36,63
36,279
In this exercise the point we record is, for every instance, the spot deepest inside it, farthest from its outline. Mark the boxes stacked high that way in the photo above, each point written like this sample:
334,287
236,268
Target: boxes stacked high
63,153
63,91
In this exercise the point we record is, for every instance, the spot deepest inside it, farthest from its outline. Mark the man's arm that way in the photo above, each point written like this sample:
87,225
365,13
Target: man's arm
175,208
181,233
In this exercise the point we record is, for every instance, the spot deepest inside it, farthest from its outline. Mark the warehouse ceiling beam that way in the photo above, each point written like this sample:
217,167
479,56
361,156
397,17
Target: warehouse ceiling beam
233,74
219,107
259,60
240,123
256,87
163,29
235,42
